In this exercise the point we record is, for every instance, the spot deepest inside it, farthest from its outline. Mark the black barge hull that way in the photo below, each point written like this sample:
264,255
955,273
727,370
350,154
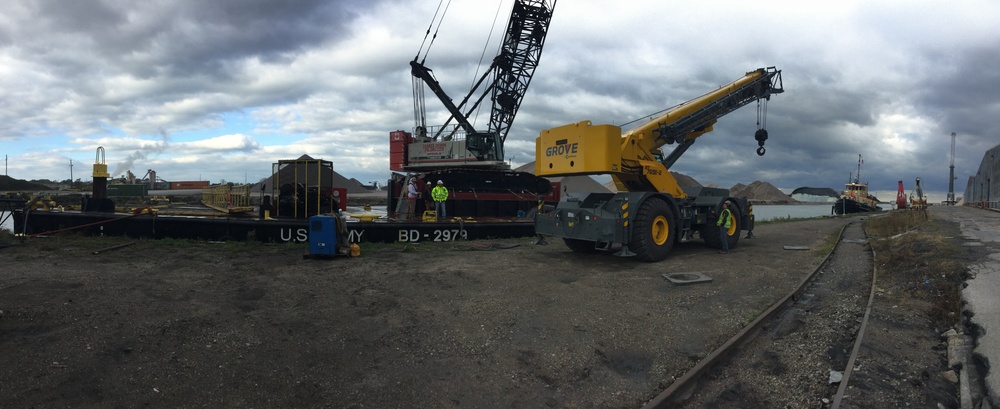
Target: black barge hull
268,231
847,206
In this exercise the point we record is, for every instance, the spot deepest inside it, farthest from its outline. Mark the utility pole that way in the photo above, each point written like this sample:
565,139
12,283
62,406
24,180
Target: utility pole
951,176
71,173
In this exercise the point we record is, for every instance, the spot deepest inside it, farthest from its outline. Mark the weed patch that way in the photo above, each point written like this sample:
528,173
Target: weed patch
919,264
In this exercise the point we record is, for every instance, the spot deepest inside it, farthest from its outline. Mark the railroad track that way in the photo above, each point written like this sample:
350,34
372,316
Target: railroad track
797,353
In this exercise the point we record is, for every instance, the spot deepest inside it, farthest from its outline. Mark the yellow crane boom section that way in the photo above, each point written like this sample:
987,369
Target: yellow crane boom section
633,158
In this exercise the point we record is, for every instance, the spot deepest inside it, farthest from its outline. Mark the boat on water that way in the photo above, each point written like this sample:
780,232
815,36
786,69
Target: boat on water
855,197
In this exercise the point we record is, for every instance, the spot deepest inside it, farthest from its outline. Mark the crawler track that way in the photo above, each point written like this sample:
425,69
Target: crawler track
791,354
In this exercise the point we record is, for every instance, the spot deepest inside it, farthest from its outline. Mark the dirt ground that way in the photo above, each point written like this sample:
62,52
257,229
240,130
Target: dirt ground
467,324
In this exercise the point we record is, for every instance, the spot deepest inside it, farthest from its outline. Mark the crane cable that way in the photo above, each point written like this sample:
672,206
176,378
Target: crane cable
761,113
435,30
483,54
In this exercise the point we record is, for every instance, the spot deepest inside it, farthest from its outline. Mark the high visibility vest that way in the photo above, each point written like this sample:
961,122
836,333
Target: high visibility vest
724,218
439,193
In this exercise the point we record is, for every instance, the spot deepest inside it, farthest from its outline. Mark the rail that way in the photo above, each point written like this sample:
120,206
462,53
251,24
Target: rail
842,388
687,382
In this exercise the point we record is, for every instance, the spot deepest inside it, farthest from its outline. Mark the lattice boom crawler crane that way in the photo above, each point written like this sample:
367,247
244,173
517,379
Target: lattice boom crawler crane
471,161
650,212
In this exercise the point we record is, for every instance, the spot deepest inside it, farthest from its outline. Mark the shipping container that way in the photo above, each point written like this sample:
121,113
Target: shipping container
196,184
127,190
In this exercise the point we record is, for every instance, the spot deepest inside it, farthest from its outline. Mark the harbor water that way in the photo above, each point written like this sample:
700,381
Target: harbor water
769,212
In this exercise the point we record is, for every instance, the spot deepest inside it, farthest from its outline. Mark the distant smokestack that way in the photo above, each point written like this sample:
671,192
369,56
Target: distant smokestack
951,174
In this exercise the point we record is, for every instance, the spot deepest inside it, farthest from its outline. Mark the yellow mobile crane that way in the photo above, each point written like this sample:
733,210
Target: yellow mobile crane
651,211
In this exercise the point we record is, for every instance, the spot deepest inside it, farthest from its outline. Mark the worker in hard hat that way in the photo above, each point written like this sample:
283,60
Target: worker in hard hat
439,194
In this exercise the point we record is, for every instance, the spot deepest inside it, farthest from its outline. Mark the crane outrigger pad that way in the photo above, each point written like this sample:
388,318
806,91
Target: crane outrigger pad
686,278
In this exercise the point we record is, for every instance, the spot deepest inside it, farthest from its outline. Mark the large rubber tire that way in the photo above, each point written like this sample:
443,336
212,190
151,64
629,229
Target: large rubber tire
580,246
710,233
653,231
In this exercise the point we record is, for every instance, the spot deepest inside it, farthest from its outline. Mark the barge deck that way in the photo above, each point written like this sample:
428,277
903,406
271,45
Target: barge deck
34,223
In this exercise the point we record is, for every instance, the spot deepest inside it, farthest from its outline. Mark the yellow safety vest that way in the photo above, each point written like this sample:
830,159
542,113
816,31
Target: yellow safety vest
724,218
439,193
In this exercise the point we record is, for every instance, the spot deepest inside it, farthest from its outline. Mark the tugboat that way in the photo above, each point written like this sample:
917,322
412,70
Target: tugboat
855,197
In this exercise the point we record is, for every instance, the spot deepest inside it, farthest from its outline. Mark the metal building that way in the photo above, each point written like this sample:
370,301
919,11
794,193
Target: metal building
983,189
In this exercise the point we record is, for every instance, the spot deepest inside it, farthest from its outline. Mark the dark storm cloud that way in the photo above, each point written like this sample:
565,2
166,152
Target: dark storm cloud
859,79
963,92
149,65
181,38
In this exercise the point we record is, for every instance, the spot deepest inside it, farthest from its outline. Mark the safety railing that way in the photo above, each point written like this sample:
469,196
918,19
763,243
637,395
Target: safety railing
229,199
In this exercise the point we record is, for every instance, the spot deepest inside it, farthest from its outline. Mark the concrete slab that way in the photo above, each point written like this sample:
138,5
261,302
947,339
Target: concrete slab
981,298
980,295
687,278
796,247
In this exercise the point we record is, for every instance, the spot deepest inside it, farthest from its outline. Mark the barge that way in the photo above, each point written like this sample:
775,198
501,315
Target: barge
145,225
297,190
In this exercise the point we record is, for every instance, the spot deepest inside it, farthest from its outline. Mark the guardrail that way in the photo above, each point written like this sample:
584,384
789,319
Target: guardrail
225,198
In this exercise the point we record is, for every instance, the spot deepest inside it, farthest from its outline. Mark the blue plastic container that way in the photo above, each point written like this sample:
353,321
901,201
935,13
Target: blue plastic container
322,235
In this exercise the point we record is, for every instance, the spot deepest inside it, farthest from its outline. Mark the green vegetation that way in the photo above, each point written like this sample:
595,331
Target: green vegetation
895,222
918,262
827,246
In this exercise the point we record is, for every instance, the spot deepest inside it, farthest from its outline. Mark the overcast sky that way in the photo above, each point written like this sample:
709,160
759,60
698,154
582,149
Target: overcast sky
213,90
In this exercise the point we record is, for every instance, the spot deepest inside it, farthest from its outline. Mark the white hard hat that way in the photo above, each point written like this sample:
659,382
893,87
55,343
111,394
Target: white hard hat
440,182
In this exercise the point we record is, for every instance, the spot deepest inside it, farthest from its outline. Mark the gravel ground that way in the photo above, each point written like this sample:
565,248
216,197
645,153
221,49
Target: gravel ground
468,324
795,361
790,362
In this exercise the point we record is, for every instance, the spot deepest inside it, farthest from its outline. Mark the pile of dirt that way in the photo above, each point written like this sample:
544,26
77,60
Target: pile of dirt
758,192
761,192
8,183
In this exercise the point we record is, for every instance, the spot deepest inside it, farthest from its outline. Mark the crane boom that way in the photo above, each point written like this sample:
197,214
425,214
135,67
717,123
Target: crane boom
514,67
634,160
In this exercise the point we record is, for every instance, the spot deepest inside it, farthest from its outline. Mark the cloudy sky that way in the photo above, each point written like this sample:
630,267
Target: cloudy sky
218,90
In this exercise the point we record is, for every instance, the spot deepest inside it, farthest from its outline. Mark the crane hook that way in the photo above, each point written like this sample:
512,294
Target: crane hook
760,136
